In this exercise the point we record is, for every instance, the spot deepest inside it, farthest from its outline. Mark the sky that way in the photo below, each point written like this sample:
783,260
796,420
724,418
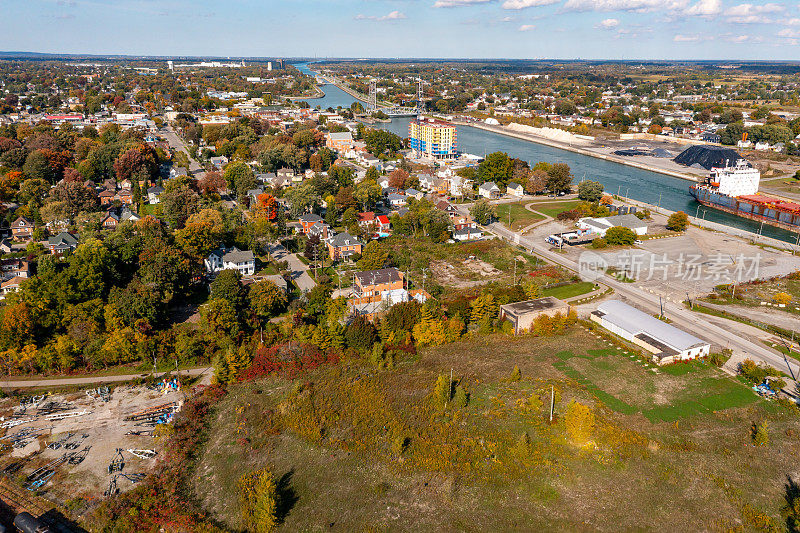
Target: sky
529,29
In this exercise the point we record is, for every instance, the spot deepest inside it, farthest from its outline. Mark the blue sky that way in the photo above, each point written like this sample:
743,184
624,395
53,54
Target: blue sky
617,29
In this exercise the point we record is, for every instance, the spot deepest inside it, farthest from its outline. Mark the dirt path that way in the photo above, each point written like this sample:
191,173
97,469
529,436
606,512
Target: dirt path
529,227
205,372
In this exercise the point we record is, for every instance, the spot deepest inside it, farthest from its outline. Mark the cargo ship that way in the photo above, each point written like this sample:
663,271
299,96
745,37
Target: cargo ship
734,189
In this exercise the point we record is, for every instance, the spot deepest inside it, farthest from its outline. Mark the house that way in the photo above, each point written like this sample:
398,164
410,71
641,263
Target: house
340,142
603,224
153,193
523,314
106,196
427,182
11,285
287,174
383,224
128,215
109,221
218,161
489,190
5,246
278,281
125,196
10,268
515,189
413,193
308,220
374,282
320,230
447,207
22,229
377,290
460,221
63,242
253,194
467,234
667,343
232,258
397,200
342,246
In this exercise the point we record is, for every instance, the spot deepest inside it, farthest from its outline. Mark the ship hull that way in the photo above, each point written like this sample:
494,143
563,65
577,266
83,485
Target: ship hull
768,214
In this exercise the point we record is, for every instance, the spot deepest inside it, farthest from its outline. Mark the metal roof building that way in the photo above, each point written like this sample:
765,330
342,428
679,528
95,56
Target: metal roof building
667,343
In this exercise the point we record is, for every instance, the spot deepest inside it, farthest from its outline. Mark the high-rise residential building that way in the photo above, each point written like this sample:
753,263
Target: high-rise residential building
433,139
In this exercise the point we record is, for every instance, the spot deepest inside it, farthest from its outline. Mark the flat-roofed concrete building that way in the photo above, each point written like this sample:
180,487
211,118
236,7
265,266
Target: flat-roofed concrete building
522,314
667,343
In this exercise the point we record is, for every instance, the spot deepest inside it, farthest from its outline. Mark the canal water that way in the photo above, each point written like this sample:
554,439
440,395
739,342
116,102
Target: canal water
637,184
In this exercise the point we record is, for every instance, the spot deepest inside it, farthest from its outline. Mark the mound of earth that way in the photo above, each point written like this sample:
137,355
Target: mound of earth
708,157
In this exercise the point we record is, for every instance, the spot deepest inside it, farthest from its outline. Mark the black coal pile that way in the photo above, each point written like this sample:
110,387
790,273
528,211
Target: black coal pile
707,157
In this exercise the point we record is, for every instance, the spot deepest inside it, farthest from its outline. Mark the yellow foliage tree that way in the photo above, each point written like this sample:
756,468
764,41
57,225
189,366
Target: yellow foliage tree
258,498
580,423
783,298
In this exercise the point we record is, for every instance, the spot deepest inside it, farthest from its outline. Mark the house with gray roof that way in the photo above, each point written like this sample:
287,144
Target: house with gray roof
602,224
63,242
231,258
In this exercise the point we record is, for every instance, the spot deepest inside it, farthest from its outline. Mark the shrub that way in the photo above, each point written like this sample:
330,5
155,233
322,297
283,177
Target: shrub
258,498
783,298
523,447
599,243
678,221
580,422
442,391
760,434
460,397
360,334
620,235
516,374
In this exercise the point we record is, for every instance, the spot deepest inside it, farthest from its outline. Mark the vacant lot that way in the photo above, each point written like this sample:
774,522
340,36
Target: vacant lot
355,448
552,209
520,217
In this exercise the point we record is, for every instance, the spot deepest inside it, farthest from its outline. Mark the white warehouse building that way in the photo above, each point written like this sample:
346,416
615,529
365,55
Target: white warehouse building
667,343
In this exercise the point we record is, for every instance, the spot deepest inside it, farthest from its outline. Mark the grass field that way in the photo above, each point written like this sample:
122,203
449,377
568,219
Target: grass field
520,217
552,209
331,439
569,291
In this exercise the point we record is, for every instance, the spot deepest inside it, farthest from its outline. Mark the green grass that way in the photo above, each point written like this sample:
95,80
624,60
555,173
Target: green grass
552,209
569,291
704,390
520,217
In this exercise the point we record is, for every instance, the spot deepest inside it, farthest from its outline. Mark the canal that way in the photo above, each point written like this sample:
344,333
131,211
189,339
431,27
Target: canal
637,184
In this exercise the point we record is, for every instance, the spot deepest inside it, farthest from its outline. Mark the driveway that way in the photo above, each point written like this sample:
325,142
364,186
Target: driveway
206,372
299,269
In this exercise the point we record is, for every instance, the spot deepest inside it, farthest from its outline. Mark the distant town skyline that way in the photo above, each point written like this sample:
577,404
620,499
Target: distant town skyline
530,29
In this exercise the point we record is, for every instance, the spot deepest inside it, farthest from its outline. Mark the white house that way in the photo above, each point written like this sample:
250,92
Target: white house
515,189
231,258
603,224
489,190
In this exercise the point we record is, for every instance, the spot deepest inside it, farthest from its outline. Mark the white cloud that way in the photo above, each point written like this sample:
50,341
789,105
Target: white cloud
394,15
752,14
624,5
686,38
522,4
527,27
458,3
705,8
786,32
791,22
608,23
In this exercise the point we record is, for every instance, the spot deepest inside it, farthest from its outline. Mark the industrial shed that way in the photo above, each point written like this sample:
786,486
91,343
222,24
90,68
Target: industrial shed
667,343
522,314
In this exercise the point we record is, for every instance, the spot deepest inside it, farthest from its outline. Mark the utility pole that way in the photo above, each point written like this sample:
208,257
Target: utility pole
658,207
515,271
661,304
552,400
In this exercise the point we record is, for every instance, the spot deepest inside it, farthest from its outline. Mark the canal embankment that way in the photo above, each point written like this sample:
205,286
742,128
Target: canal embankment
577,149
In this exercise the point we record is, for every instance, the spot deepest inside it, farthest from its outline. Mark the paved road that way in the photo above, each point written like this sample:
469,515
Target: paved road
299,269
91,380
176,143
691,321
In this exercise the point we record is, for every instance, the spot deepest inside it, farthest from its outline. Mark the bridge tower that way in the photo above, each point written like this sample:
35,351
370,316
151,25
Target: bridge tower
372,104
